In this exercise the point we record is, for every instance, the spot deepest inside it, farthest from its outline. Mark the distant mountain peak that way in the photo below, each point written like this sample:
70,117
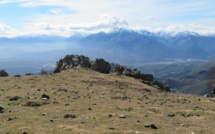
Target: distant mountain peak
165,34
146,33
187,33
121,30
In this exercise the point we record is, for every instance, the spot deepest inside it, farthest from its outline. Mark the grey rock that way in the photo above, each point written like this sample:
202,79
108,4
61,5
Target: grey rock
32,104
44,114
10,119
111,128
14,98
147,125
207,95
69,116
122,116
72,116
137,74
119,69
152,126
1,109
148,77
171,114
101,66
66,116
186,115
110,115
44,96
17,76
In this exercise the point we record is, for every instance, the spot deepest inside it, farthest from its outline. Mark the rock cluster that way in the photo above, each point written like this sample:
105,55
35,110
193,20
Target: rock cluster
132,73
145,78
14,98
73,61
69,116
210,95
102,66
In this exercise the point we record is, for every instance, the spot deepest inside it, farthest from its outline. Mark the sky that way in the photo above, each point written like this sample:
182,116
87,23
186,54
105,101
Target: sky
66,17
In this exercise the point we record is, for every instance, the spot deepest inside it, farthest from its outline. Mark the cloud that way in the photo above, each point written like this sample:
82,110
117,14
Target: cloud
64,17
190,27
104,23
151,18
56,11
11,1
7,31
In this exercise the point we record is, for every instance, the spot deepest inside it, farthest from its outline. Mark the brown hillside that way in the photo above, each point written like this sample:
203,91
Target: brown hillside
83,101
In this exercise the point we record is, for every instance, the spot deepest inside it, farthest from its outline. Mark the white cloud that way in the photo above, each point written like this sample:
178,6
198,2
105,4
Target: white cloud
105,22
56,11
151,18
173,16
7,31
11,1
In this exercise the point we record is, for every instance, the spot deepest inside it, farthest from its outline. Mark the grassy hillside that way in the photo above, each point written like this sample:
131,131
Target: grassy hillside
83,101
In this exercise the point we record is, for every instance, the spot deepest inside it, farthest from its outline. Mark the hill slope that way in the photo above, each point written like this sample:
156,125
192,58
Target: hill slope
84,101
189,78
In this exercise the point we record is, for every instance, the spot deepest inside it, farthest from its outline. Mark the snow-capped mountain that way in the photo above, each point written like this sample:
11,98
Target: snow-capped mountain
120,30
186,33
125,45
144,46
146,33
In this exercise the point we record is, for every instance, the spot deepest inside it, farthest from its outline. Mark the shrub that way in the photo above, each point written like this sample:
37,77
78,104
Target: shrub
3,73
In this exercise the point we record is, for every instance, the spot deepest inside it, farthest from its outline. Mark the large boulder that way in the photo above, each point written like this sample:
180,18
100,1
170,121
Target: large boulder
3,73
1,109
101,66
148,77
137,74
118,69
72,61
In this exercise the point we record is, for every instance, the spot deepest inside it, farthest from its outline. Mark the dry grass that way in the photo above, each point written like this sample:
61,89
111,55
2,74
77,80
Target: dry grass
94,98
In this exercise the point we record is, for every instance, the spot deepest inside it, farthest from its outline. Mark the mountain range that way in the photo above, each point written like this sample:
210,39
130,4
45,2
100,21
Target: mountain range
121,45
175,55
135,47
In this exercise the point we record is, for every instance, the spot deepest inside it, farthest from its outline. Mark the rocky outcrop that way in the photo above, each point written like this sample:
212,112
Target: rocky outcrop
211,95
119,69
145,78
127,72
100,65
148,77
72,61
123,70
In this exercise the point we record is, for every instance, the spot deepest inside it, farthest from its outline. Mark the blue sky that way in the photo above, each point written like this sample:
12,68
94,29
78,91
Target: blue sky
66,17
